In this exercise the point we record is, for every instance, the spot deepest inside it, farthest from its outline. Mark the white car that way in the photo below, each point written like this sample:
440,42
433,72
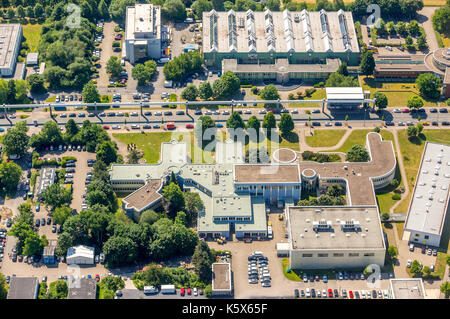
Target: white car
120,114
324,293
308,293
368,294
319,294
208,112
195,292
115,127
262,112
385,293
328,124
397,111
294,111
363,294
247,112
266,284
134,113
225,113
158,113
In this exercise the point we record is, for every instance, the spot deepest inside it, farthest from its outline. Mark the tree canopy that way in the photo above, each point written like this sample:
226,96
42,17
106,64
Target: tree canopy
358,153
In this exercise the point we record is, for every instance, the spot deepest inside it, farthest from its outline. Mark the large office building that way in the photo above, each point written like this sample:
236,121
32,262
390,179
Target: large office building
335,237
142,32
279,46
10,41
429,202
236,195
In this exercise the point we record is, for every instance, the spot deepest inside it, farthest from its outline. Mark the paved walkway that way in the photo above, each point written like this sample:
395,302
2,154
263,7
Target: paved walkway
304,146
402,171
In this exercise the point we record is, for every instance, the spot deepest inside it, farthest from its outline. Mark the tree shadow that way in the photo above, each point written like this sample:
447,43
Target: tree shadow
291,137
415,140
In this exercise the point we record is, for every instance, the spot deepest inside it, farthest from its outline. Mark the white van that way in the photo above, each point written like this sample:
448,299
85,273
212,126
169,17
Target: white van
257,253
122,62
150,290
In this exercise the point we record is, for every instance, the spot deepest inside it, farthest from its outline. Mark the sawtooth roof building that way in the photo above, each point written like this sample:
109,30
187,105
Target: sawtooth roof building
236,195
275,45
429,202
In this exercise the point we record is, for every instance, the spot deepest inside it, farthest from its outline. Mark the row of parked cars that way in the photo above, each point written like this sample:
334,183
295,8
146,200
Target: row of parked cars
258,269
195,291
67,98
334,293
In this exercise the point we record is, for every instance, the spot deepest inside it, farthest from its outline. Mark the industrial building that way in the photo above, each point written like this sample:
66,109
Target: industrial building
221,279
406,288
237,195
23,288
11,39
429,202
142,33
335,237
80,255
82,288
279,46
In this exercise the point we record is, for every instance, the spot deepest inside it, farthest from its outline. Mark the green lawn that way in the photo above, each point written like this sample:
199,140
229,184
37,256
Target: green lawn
355,137
150,143
318,95
278,142
32,34
412,153
400,226
325,138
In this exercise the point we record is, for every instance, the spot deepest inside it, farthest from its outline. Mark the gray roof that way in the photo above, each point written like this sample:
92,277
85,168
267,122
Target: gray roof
32,58
408,288
82,288
46,178
10,34
143,22
279,31
344,227
23,288
429,201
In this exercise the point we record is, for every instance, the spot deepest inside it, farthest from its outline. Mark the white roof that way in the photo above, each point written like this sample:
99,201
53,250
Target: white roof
80,251
344,93
429,202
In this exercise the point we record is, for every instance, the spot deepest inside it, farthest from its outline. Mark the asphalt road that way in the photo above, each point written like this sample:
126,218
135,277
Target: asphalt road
357,116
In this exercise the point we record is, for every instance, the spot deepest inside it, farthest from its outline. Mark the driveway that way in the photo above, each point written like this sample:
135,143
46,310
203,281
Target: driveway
105,53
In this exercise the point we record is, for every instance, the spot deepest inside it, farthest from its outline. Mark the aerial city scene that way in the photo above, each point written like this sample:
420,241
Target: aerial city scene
203,150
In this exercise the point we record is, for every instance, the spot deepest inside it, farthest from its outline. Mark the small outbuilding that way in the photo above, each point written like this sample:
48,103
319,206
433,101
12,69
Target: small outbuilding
48,255
32,59
80,255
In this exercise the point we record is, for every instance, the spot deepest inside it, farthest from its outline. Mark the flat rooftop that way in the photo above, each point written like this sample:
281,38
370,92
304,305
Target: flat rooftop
221,276
23,288
344,93
279,31
359,174
143,21
362,227
266,174
410,288
280,66
429,202
9,34
82,288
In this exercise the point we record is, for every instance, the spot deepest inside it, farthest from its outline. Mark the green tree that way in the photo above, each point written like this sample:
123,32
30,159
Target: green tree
15,141
413,27
90,93
357,153
415,102
61,214
203,124
273,5
429,85
102,10
190,93
117,8
193,205
58,290
409,42
38,10
10,174
202,259
416,268
226,86
269,122
338,80
107,153
3,287
392,252
235,121
10,13
148,216
56,196
445,289
411,131
422,42
286,124
119,251
174,10
142,74
441,19
173,199
367,64
36,83
20,12
269,92
133,156
343,69
419,127
385,216
200,6
71,128
253,123
50,135
335,190
113,66
381,101
113,283
33,245
205,91
426,271
25,215
11,93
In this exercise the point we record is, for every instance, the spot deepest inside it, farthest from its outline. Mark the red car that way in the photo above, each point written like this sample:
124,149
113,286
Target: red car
182,292
405,110
106,127
350,293
97,278
330,293
123,81
189,126
189,291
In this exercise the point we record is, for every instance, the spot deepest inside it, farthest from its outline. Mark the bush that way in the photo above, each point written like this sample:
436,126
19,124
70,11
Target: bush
116,29
309,92
377,129
396,197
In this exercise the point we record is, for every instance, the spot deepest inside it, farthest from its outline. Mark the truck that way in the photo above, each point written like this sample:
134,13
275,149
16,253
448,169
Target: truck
168,289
